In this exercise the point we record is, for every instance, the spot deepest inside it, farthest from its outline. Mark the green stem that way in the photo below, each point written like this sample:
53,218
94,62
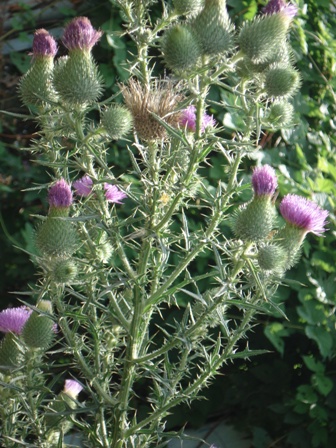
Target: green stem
87,372
200,321
201,380
155,298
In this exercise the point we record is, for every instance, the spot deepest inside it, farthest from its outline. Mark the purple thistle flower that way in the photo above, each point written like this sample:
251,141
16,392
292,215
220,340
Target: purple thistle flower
14,319
79,34
83,186
60,194
304,214
44,45
188,119
113,194
72,388
276,6
264,181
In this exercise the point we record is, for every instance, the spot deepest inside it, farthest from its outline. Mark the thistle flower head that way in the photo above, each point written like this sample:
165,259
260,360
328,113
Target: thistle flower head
60,195
83,186
264,181
188,119
160,98
303,214
72,388
79,34
113,194
213,28
14,319
181,49
44,45
276,6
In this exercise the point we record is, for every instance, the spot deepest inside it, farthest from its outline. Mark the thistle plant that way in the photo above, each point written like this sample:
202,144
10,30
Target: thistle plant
116,254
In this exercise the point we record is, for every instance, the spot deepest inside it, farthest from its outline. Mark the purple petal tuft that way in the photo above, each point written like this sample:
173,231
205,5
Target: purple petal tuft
14,319
113,194
276,6
72,388
44,44
79,34
83,186
305,214
60,194
188,119
264,181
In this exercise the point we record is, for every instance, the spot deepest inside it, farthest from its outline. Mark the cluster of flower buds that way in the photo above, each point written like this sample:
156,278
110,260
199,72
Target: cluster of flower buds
208,33
257,222
25,328
264,54
57,237
267,58
73,79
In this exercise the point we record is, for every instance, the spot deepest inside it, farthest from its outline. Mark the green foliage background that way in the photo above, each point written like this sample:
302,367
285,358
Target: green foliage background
286,398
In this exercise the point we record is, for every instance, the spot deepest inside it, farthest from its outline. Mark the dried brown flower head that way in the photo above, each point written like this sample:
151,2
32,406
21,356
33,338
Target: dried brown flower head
161,98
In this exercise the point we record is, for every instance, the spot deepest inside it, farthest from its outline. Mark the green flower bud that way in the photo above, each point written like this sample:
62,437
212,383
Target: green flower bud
117,121
56,237
290,239
36,85
256,220
271,257
39,329
259,39
281,81
10,352
247,69
63,271
281,113
187,7
180,48
213,28
59,66
77,80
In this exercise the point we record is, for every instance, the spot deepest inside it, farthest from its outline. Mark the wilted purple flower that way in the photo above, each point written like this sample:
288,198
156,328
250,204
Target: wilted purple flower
79,34
14,319
113,194
264,181
188,119
83,186
275,6
72,388
44,45
304,214
60,194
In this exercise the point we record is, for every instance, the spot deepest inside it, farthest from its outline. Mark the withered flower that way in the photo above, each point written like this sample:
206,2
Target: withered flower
161,98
